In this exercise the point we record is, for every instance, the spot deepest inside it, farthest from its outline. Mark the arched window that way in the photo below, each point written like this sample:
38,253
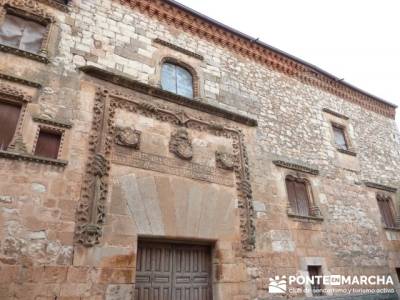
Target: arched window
177,80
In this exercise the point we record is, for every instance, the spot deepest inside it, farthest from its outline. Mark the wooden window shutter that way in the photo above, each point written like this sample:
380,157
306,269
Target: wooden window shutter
303,205
298,196
9,116
48,144
385,207
291,194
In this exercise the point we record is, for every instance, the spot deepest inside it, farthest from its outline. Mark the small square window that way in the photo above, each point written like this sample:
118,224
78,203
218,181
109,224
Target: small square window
21,33
9,117
315,273
48,143
340,137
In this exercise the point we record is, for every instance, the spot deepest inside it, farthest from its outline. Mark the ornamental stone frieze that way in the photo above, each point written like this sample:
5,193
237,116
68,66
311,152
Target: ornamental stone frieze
91,211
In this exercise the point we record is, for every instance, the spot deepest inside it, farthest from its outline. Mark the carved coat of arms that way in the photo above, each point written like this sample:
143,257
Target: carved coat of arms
225,160
128,137
181,145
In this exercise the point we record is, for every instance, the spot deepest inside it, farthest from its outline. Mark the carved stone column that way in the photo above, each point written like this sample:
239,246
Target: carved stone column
91,209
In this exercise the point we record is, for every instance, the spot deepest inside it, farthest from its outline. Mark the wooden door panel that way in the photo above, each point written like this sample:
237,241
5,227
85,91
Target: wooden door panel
172,272
192,274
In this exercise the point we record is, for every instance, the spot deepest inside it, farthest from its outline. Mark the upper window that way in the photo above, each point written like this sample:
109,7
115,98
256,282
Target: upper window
22,33
298,195
387,210
9,116
340,137
177,80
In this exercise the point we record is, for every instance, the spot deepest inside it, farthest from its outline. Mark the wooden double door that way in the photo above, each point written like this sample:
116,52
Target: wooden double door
171,271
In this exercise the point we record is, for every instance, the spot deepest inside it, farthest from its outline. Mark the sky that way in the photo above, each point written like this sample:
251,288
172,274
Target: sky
357,40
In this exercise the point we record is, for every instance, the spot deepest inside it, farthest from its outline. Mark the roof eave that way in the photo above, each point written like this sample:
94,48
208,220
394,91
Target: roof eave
292,57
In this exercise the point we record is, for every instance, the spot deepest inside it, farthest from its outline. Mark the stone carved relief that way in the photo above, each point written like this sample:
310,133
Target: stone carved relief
29,6
90,215
181,145
169,165
224,160
91,210
9,91
97,189
128,137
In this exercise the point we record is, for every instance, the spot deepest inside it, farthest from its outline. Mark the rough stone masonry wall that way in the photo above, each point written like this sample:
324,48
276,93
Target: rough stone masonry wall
38,202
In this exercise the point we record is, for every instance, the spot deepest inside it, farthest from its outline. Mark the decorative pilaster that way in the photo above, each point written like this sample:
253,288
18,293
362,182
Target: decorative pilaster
91,209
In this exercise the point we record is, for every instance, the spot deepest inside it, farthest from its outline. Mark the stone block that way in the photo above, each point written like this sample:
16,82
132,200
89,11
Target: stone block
119,292
112,275
55,274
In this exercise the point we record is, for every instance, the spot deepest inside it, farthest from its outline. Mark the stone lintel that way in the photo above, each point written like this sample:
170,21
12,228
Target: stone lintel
380,186
296,167
334,113
305,218
178,48
20,80
346,151
53,122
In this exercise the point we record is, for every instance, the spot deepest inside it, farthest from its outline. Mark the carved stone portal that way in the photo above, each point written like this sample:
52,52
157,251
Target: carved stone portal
128,137
91,209
225,160
181,145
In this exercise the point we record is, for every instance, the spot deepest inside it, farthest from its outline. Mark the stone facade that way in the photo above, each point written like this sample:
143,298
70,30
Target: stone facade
137,162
